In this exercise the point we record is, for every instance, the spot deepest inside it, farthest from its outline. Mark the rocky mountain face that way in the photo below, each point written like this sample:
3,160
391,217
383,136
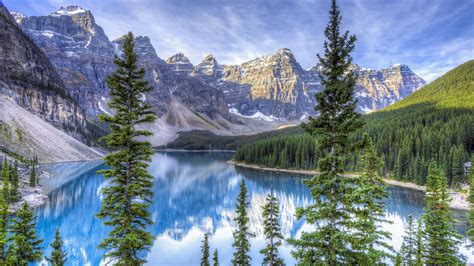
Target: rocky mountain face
82,53
36,110
31,81
275,86
79,50
226,99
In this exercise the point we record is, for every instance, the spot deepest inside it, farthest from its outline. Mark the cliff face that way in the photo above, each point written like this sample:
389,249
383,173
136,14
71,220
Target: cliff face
28,77
79,50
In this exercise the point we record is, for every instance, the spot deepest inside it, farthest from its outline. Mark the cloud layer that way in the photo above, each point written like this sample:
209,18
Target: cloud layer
431,36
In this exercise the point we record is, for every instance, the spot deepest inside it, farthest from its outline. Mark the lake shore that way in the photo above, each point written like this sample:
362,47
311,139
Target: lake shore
459,201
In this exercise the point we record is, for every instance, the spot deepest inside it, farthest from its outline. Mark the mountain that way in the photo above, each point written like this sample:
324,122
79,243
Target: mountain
435,123
275,85
83,55
36,108
259,95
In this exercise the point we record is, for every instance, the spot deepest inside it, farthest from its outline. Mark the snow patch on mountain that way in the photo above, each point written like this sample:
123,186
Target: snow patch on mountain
68,11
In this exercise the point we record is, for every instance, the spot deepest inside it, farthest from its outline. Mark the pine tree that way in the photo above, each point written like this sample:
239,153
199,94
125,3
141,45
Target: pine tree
205,251
33,176
215,258
409,248
26,246
242,232
330,243
126,199
5,170
6,189
271,230
58,256
398,260
470,232
369,240
3,229
440,237
419,243
14,182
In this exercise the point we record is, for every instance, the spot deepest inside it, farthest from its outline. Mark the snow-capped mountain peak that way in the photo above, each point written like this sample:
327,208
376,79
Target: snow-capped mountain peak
69,11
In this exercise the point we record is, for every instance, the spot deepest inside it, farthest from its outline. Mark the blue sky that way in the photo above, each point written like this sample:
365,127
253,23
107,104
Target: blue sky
431,36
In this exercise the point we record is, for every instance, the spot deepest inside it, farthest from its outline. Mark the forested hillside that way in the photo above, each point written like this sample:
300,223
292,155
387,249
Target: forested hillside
435,123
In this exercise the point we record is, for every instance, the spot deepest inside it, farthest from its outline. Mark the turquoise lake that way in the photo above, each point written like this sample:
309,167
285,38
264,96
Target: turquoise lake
194,193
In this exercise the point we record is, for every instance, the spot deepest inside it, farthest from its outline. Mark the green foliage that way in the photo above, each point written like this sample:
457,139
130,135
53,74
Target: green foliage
3,229
15,195
409,247
470,232
440,237
205,140
333,210
58,256
33,181
126,199
215,258
435,123
271,230
369,240
419,243
26,246
205,251
242,232
287,152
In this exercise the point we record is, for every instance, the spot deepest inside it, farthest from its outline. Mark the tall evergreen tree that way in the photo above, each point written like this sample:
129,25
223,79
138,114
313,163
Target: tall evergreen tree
440,237
33,181
58,256
205,251
242,232
3,230
271,230
215,258
470,232
126,199
26,246
419,243
369,240
409,247
332,212
15,183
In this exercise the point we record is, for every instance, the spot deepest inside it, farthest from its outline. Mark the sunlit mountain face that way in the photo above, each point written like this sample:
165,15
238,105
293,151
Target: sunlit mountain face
195,193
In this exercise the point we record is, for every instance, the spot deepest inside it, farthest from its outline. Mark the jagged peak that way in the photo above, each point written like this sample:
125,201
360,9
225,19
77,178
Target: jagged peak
69,11
18,16
284,51
209,58
178,58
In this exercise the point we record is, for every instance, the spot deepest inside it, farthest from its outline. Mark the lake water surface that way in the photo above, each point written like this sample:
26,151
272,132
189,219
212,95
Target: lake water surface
195,192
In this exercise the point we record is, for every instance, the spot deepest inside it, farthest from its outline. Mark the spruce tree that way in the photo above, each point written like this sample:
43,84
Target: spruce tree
470,232
3,229
419,243
215,258
398,260
126,199
332,212
14,181
242,232
33,176
26,246
369,240
58,256
440,237
409,247
271,230
205,251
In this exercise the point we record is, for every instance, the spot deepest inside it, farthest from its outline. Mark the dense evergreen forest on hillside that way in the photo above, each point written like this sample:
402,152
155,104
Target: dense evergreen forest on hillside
435,123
